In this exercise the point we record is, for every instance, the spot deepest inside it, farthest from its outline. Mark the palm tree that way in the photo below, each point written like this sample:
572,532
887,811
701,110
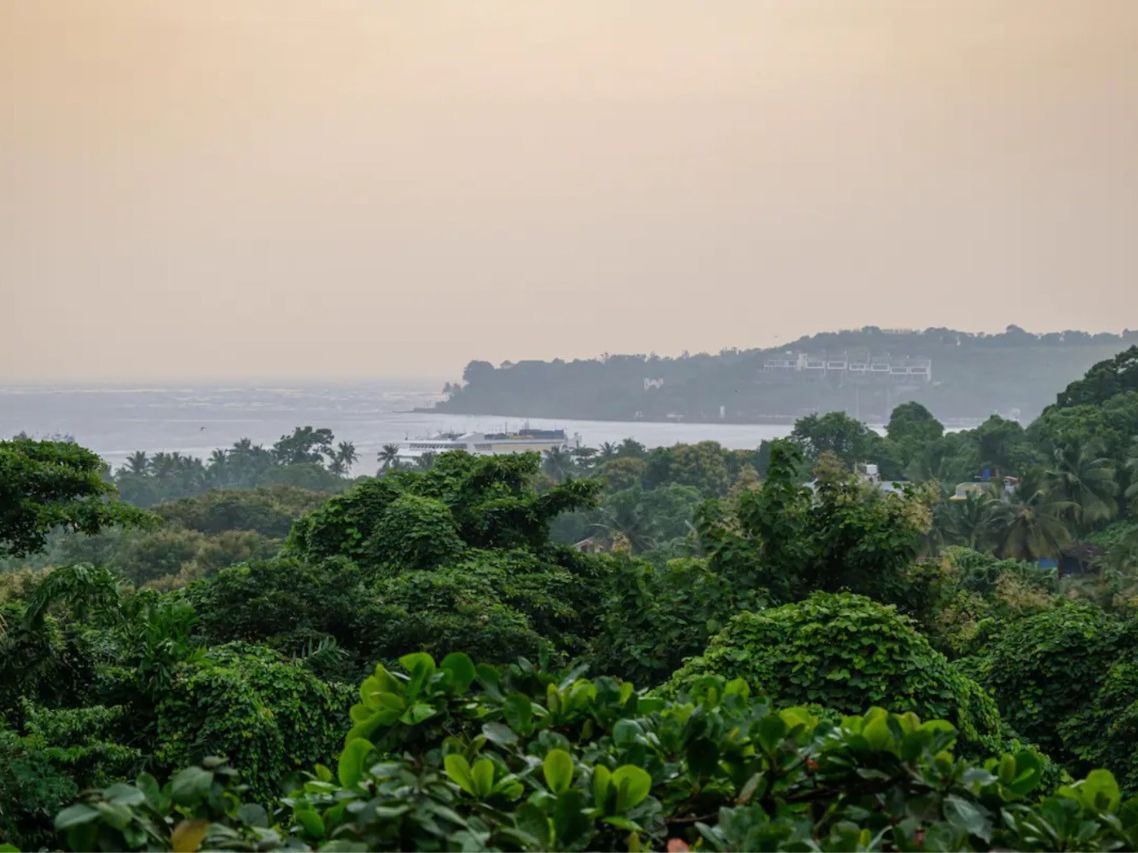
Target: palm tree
584,458
163,464
557,463
1083,478
1132,469
968,522
388,456
343,457
624,522
138,462
1031,526
608,451
631,447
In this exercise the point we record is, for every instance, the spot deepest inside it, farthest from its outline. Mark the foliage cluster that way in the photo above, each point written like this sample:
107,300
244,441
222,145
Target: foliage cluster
464,757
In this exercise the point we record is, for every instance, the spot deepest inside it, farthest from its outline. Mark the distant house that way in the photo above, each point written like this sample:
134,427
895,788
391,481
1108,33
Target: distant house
868,472
1002,489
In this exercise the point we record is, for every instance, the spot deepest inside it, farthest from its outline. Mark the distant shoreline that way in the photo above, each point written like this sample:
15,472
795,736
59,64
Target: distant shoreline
771,420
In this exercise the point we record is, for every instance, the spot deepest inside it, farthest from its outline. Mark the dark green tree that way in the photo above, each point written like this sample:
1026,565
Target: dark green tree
53,484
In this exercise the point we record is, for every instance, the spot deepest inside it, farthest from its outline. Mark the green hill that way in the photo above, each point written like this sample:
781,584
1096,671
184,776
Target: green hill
959,376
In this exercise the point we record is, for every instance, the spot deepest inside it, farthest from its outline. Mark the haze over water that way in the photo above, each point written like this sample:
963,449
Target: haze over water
115,421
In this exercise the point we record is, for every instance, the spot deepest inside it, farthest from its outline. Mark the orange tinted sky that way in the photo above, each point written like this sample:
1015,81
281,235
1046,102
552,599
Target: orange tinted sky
239,188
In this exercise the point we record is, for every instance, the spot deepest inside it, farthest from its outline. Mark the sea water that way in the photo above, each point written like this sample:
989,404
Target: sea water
194,419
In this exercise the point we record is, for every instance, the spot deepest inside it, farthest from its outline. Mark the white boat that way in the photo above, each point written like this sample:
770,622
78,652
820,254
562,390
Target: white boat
488,443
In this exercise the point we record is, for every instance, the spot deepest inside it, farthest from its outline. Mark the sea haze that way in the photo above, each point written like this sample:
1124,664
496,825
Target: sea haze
115,421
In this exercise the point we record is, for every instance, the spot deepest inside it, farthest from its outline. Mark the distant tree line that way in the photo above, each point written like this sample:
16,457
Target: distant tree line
1014,372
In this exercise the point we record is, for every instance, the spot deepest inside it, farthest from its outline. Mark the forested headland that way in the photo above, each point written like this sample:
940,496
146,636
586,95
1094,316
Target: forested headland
921,640
958,376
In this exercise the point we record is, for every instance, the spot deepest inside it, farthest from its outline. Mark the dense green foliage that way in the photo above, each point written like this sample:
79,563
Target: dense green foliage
50,484
1045,667
268,716
844,652
456,756
305,459
736,649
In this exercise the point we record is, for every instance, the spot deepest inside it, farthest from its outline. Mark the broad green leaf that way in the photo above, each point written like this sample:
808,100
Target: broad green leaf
1028,773
460,671
252,814
558,770
310,821
490,680
601,785
153,792
968,817
570,823
416,659
499,733
458,771
632,785
190,785
74,816
518,712
417,713
127,795
370,689
483,774
351,765
626,732
114,814
770,731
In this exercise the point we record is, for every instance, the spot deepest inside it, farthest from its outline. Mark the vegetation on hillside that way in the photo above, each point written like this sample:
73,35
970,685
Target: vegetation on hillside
972,375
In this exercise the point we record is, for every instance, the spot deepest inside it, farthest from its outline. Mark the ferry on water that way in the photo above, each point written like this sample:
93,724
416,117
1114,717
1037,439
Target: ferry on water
489,443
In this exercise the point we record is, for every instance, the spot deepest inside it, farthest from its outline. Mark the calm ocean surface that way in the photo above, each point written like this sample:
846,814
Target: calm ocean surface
195,419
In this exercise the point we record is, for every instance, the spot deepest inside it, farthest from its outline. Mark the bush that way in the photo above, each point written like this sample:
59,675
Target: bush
497,605
269,510
273,598
490,500
655,617
62,752
268,716
454,756
414,533
1105,732
844,652
1047,666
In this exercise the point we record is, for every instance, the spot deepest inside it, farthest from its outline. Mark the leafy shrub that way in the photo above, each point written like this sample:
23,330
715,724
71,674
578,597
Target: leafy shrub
1104,733
269,599
269,510
844,652
1047,666
491,500
498,605
655,617
973,595
456,756
270,717
199,808
62,752
792,540
414,533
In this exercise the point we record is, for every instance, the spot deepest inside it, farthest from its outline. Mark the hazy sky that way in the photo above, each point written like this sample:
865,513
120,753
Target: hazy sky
247,188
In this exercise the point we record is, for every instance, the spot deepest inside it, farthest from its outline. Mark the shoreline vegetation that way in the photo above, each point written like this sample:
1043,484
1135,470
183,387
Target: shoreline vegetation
865,373
767,420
